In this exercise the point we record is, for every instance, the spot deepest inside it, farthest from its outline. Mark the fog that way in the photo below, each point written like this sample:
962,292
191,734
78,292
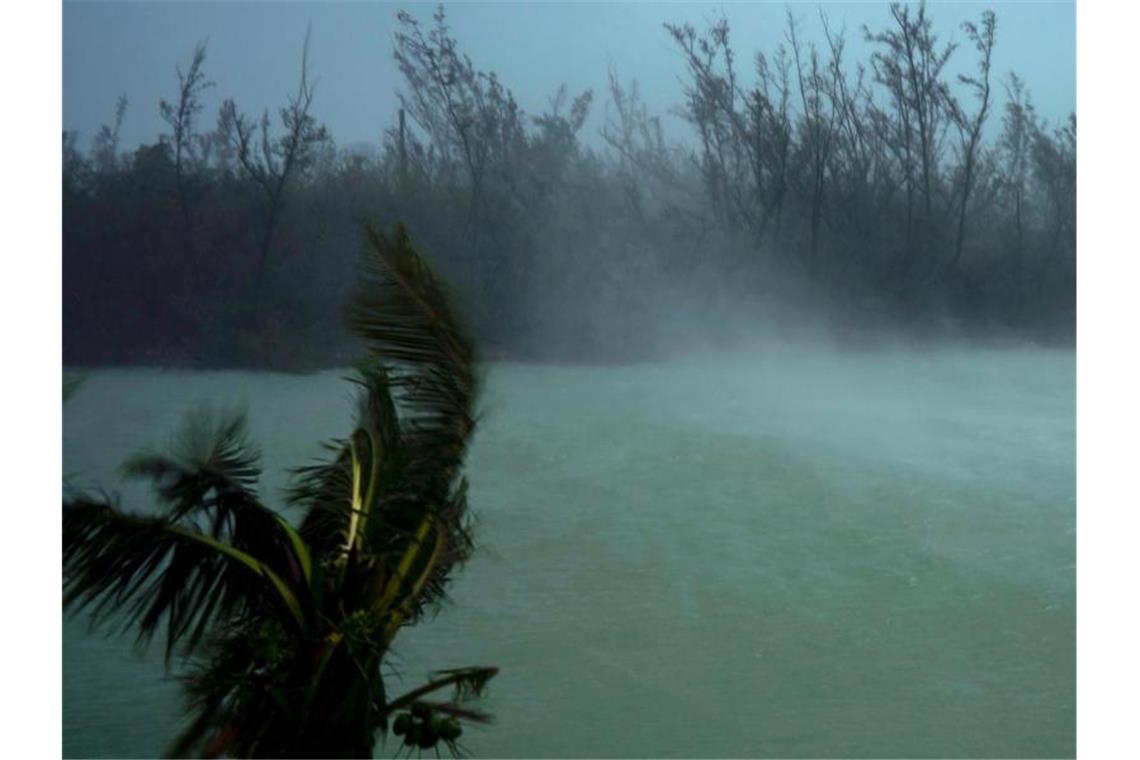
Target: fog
775,307
808,178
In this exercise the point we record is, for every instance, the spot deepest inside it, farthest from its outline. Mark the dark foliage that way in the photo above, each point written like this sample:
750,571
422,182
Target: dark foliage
866,192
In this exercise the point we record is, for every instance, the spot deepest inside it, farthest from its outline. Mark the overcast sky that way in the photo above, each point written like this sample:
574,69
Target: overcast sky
254,48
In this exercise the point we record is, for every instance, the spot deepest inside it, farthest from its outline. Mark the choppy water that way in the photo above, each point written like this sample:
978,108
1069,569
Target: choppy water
794,553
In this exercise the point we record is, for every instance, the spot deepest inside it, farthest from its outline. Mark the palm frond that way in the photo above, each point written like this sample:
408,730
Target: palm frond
378,428
402,312
245,673
151,571
467,683
325,491
344,497
207,482
399,469
211,456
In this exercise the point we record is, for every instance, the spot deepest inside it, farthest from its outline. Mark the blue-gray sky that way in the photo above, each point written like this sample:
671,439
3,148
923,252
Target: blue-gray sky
254,52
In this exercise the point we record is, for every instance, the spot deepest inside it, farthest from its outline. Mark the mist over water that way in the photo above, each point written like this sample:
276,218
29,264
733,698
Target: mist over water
777,444
795,551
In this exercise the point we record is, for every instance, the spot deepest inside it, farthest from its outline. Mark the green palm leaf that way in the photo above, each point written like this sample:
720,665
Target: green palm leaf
403,313
207,481
400,466
153,571
341,496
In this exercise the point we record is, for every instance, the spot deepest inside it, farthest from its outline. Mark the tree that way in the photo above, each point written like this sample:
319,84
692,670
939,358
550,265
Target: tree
106,147
183,140
817,128
502,171
1019,124
771,133
468,116
909,65
287,629
861,175
970,127
716,106
75,165
870,170
638,142
1055,170
273,163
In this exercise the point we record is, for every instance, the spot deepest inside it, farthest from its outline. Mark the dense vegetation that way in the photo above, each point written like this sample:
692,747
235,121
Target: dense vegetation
866,194
288,630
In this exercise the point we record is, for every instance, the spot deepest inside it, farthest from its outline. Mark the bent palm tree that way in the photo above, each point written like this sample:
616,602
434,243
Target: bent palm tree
287,628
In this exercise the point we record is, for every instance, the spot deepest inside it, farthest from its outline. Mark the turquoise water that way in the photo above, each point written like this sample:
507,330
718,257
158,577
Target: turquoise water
793,553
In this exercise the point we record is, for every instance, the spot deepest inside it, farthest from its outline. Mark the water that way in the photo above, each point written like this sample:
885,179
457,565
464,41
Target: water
794,553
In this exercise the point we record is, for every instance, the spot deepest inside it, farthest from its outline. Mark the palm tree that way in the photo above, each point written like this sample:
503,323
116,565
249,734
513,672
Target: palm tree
286,629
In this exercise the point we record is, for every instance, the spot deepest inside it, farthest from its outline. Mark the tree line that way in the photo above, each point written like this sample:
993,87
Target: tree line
867,192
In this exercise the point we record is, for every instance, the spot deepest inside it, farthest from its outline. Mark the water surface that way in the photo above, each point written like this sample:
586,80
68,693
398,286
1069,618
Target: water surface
790,553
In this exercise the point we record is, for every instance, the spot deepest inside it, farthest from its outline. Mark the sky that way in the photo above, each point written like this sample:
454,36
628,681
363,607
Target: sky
254,51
